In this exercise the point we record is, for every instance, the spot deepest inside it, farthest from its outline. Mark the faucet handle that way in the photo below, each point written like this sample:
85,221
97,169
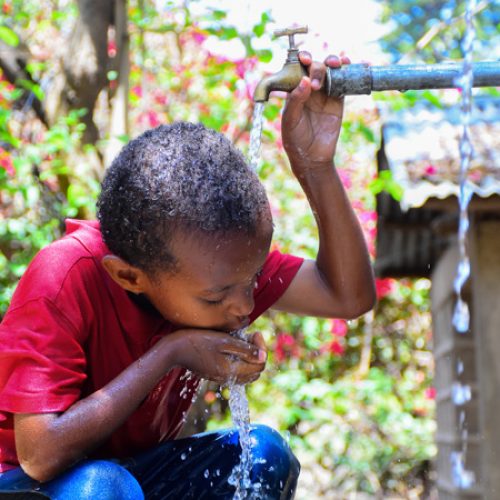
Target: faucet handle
291,32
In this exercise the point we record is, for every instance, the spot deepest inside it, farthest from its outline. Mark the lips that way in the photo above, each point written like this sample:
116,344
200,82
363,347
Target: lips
242,323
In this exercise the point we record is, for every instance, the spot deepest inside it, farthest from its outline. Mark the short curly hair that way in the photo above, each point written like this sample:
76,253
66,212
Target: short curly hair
180,176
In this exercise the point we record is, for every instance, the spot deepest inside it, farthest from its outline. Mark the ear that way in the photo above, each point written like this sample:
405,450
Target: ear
127,276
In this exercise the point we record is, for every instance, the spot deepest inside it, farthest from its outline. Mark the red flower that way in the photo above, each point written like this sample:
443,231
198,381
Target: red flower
286,347
384,287
334,347
6,162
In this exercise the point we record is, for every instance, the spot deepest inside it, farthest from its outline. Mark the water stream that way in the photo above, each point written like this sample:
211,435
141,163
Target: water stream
238,402
255,134
461,393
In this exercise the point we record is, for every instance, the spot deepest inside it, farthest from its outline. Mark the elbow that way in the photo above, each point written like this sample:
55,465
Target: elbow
361,304
38,471
41,464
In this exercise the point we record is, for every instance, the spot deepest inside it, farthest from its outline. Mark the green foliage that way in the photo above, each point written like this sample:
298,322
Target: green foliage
39,189
385,182
431,30
8,36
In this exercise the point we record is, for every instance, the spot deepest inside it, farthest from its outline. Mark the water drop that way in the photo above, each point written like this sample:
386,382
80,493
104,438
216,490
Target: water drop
460,394
462,478
461,316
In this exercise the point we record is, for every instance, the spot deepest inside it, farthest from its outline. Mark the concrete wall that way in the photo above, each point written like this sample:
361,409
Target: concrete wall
486,304
458,426
471,359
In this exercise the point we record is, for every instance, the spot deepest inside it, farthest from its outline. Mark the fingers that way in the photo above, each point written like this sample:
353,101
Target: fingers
245,351
316,70
317,73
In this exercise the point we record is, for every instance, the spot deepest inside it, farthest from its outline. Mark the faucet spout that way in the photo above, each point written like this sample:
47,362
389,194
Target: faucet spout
290,75
285,80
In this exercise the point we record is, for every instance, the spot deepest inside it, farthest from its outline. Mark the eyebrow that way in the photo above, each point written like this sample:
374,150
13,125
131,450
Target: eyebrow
217,289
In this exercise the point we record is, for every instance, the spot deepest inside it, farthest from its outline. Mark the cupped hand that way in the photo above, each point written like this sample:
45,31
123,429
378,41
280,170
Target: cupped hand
219,357
311,120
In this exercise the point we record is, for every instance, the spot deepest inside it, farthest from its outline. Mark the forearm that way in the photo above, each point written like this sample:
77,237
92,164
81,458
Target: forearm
343,260
48,444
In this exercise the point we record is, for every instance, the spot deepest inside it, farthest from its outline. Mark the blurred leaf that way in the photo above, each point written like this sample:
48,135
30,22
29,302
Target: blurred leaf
8,36
32,87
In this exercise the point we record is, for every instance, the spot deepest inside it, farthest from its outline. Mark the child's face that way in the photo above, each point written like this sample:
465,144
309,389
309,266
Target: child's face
213,286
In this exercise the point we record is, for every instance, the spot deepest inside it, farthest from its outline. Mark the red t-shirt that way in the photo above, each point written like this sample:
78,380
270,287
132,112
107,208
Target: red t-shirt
70,329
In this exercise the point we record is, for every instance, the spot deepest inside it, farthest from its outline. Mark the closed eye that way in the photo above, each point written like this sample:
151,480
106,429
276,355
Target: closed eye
213,302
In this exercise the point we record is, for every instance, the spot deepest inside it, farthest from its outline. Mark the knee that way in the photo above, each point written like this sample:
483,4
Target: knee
96,479
274,464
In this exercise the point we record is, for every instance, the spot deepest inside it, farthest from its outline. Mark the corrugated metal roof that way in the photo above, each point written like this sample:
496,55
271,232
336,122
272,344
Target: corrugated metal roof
422,149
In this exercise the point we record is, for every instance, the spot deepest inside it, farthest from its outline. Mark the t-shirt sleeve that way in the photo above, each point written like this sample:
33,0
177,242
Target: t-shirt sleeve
42,364
277,274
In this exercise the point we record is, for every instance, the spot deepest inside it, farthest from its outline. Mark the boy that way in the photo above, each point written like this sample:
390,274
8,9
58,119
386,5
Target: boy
108,323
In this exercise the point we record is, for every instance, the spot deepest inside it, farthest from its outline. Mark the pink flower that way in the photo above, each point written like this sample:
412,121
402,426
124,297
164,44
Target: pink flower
150,119
241,68
384,287
368,216
345,177
430,393
199,36
136,90
160,97
430,170
338,327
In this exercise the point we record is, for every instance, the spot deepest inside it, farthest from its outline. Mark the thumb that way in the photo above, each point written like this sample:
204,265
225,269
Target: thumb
296,100
258,340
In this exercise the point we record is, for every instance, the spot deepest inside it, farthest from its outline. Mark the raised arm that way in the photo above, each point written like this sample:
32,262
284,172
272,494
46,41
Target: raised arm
340,282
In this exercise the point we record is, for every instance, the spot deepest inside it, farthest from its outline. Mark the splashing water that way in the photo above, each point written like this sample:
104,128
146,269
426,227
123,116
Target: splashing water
240,414
461,394
461,315
255,135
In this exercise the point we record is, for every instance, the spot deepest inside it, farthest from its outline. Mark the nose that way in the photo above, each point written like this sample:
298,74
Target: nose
243,302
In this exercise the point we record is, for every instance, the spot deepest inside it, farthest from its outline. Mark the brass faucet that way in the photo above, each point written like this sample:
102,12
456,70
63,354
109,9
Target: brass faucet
290,75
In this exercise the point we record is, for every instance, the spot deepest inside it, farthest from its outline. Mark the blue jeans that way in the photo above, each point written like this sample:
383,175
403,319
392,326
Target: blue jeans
195,468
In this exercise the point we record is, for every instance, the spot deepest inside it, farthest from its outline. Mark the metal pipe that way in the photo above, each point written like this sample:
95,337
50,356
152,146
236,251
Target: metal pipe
355,79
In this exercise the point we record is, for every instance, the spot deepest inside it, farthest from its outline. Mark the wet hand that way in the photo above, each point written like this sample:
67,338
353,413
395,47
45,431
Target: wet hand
219,357
311,120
